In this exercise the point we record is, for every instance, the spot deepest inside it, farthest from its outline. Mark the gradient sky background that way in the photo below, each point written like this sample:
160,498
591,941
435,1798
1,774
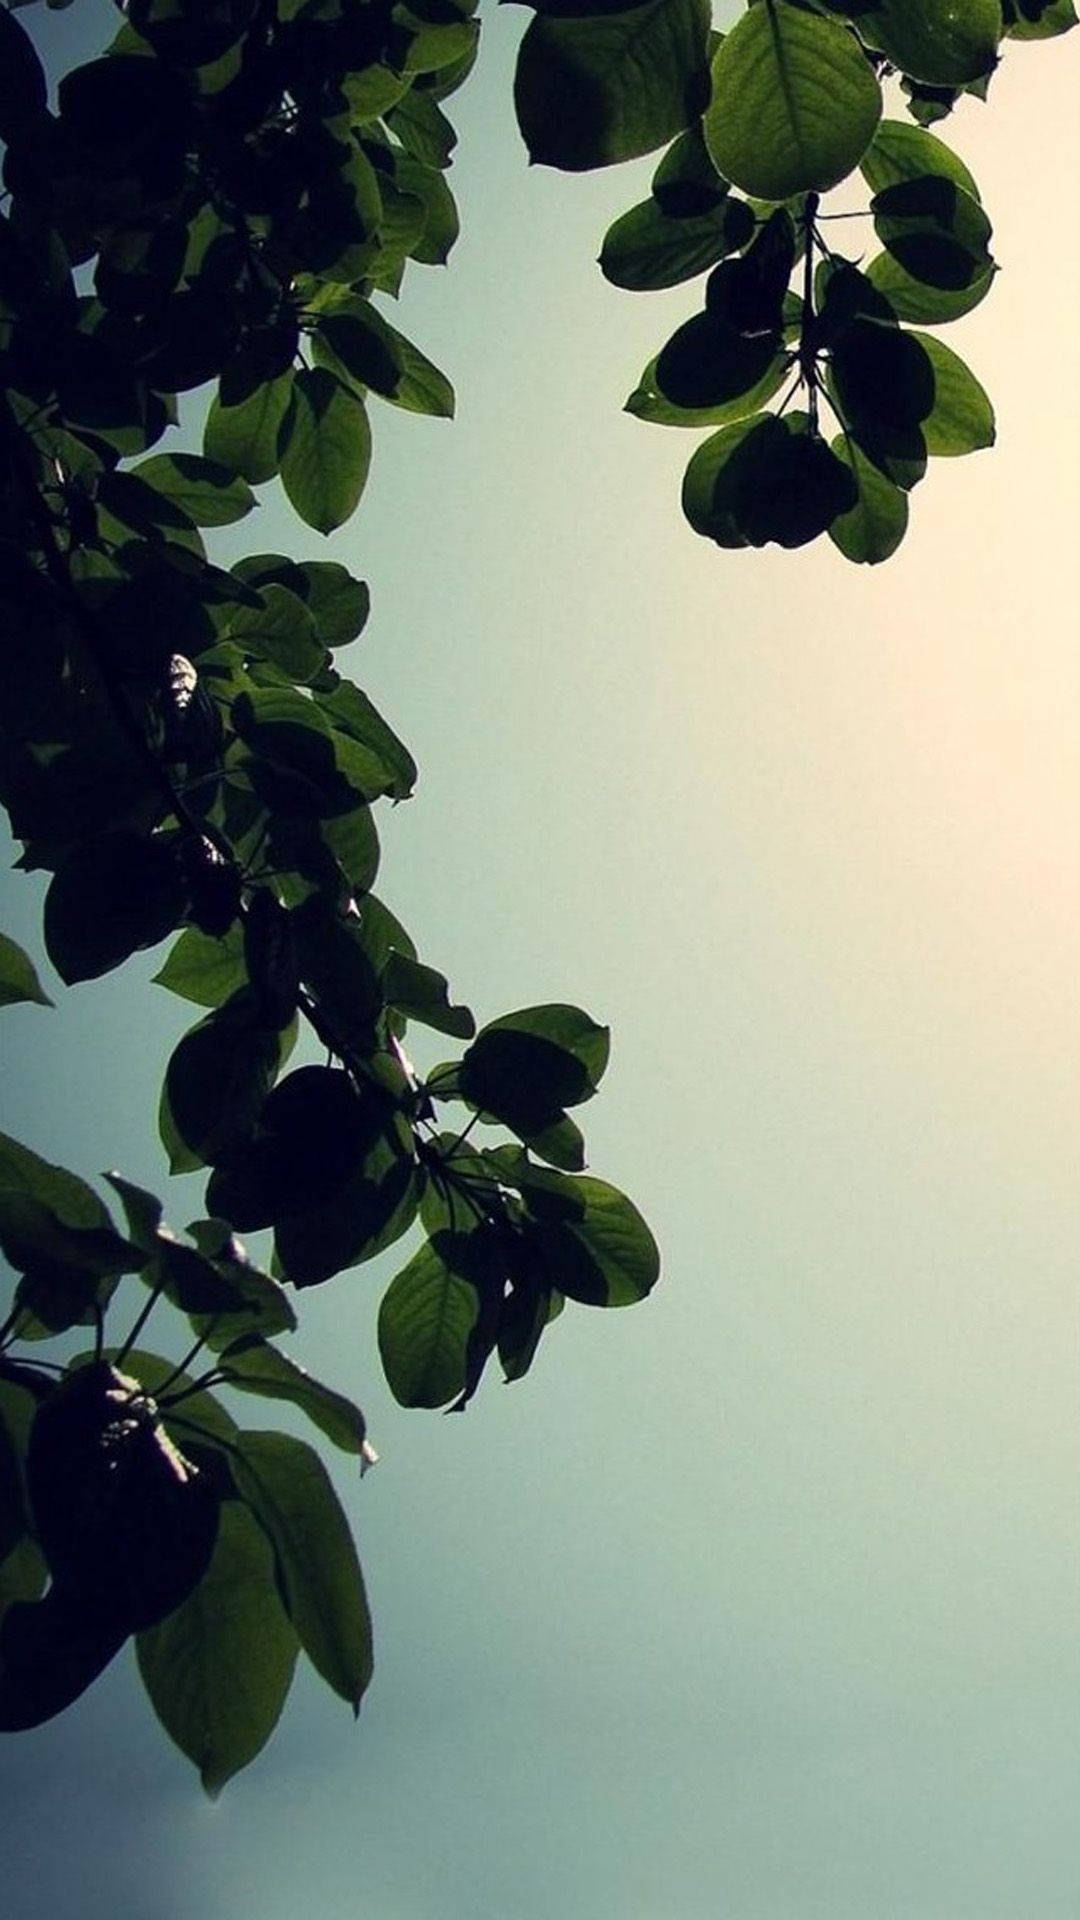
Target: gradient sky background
756,1602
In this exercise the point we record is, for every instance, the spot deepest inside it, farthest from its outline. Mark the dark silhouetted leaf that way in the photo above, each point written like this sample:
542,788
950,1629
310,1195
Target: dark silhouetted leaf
216,1082
935,41
115,894
594,89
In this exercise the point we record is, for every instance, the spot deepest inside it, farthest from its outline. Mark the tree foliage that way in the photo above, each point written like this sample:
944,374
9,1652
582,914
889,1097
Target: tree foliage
221,201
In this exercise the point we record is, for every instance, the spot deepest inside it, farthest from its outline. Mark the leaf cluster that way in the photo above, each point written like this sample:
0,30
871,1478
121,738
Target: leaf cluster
227,200
767,120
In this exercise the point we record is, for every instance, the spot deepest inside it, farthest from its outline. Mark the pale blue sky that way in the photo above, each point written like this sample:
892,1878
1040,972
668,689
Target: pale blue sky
757,1602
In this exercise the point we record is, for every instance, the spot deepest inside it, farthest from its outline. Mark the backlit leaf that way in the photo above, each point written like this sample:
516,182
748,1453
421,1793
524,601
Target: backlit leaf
794,102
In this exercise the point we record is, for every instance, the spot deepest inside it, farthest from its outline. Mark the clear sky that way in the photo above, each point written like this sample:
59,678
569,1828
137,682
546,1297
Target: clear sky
757,1601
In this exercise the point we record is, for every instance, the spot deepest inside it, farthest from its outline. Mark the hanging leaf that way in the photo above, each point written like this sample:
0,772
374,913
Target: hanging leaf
794,104
899,151
766,479
426,1318
325,443
873,528
936,231
252,1365
590,1240
913,300
212,494
961,419
938,42
114,895
205,968
421,993
648,403
216,1082
218,1669
594,89
288,1490
647,249
245,435
18,976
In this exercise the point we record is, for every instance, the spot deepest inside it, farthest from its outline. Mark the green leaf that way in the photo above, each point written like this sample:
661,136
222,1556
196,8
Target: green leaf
55,1292
205,969
794,105
441,45
883,379
23,1574
934,228
647,249
961,419
293,757
216,1082
1038,19
325,449
707,366
283,630
873,528
114,895
245,436
376,1205
351,712
426,1318
331,1169
18,1405
913,300
422,127
252,1365
73,1203
334,599
363,342
218,1669
900,151
422,387
339,603
648,403
595,89
288,1489
590,1239
212,494
686,183
213,1282
422,994
526,1067
18,976
765,479
940,42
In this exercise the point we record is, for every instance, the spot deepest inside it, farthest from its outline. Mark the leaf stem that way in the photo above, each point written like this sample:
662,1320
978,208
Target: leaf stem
141,1319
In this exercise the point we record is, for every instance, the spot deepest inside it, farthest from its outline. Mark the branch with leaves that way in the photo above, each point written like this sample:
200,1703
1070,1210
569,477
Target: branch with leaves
798,327
182,754
220,202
